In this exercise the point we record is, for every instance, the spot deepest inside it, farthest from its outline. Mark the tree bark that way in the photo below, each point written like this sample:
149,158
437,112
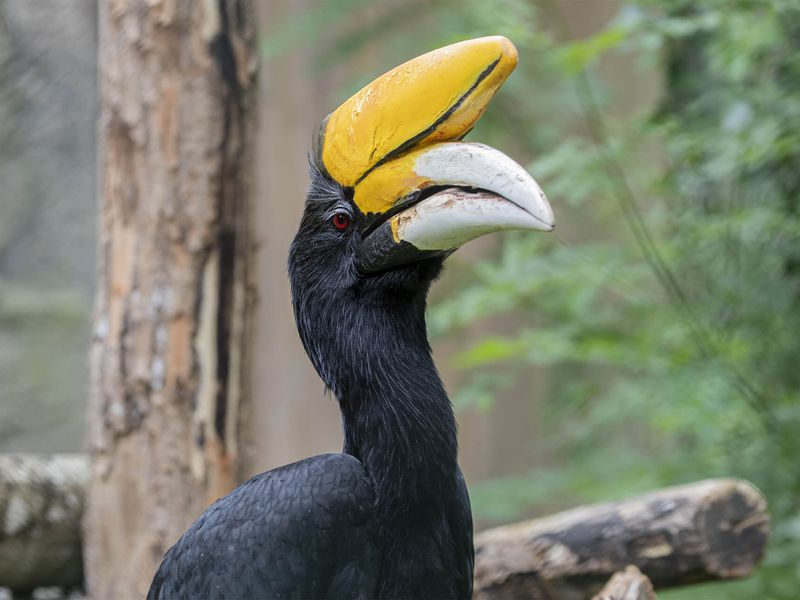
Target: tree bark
714,529
169,351
630,584
41,503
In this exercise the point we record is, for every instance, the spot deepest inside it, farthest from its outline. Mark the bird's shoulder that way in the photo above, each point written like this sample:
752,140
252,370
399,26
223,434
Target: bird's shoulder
335,482
280,533
321,490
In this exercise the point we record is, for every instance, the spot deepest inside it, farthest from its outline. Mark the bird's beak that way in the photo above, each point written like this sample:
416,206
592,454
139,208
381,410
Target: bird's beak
394,146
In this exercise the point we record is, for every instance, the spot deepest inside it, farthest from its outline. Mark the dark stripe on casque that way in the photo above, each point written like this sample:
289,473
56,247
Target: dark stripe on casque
408,144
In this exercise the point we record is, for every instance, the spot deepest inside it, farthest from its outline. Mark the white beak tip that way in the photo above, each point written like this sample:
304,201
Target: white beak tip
545,220
542,226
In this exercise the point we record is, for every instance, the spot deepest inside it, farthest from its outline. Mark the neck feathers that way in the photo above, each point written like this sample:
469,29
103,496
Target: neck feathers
401,426
372,351
397,419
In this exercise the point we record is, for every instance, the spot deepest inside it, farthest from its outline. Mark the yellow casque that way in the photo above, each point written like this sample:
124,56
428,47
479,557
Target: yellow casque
366,143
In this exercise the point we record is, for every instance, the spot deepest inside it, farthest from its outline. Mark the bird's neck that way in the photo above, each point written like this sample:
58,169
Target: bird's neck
397,418
373,353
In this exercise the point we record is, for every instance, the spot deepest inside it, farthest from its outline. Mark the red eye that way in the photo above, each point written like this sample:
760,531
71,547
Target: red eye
341,221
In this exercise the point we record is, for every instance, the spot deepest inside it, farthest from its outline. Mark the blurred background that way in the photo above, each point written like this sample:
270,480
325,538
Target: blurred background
653,339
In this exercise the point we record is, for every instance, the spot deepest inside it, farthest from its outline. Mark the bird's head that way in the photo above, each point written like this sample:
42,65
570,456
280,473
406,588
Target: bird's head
394,190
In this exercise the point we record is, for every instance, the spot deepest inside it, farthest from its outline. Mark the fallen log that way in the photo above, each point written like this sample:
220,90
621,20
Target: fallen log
630,584
713,529
41,506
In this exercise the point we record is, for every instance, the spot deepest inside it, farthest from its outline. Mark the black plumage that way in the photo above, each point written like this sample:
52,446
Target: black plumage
388,518
306,530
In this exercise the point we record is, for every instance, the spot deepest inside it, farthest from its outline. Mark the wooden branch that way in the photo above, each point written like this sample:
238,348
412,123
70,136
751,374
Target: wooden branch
713,529
630,584
41,505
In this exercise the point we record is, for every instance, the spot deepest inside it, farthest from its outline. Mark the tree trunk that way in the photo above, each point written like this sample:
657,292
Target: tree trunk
713,529
169,351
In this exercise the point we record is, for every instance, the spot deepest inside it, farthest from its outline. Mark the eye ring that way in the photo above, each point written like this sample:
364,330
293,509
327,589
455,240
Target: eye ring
341,221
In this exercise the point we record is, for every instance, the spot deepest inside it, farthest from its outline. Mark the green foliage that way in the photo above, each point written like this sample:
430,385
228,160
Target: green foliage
668,309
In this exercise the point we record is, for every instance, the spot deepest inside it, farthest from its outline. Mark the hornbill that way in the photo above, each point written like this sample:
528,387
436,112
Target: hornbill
393,192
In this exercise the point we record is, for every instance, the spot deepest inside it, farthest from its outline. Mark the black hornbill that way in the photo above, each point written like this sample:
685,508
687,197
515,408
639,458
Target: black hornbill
393,192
